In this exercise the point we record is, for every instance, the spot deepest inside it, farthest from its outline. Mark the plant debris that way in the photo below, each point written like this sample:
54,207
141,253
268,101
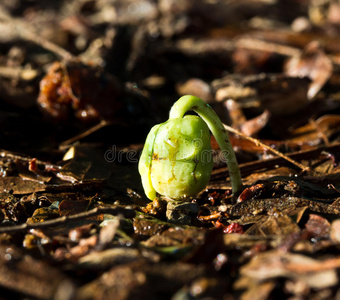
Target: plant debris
82,83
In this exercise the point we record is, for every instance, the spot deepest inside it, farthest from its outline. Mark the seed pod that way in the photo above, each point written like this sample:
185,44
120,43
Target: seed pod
181,158
176,161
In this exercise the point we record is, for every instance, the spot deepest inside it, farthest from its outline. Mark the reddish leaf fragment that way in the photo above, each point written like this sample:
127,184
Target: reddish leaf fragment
234,228
253,126
318,227
157,207
251,192
81,91
239,121
81,232
32,165
85,246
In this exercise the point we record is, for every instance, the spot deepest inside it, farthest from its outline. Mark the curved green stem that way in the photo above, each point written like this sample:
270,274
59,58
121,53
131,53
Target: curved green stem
216,127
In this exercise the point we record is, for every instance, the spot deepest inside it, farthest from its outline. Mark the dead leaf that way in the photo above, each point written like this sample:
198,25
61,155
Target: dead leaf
318,227
20,186
196,87
80,90
335,231
27,275
107,258
272,264
280,224
312,63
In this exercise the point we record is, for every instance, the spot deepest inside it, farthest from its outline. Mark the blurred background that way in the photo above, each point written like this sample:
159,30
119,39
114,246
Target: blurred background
108,70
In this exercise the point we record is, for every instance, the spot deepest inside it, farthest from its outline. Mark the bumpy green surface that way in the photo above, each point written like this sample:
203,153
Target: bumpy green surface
176,160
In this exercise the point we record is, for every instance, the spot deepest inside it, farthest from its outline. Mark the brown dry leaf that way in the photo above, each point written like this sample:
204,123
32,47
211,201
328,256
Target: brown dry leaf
253,126
148,227
254,291
245,241
111,257
42,214
312,63
75,170
80,232
335,231
316,131
281,95
273,264
248,127
69,207
85,163
132,281
118,283
247,61
20,186
196,87
318,227
29,276
175,237
108,232
280,224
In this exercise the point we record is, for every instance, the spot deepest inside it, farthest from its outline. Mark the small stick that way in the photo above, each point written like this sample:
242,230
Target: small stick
25,31
125,212
256,44
86,133
30,35
258,143
26,159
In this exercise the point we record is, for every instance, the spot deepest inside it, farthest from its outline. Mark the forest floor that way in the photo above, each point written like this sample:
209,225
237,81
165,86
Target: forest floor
81,84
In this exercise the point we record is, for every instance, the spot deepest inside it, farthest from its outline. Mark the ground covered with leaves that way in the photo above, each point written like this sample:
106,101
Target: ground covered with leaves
81,84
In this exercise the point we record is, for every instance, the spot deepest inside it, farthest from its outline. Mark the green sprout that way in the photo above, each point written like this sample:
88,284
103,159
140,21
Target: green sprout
176,161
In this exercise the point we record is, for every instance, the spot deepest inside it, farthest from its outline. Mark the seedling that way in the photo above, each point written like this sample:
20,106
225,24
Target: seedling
176,161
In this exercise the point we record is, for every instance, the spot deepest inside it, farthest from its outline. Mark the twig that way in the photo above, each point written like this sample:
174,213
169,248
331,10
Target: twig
26,159
320,132
256,44
258,143
251,167
125,212
29,35
86,133
26,32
